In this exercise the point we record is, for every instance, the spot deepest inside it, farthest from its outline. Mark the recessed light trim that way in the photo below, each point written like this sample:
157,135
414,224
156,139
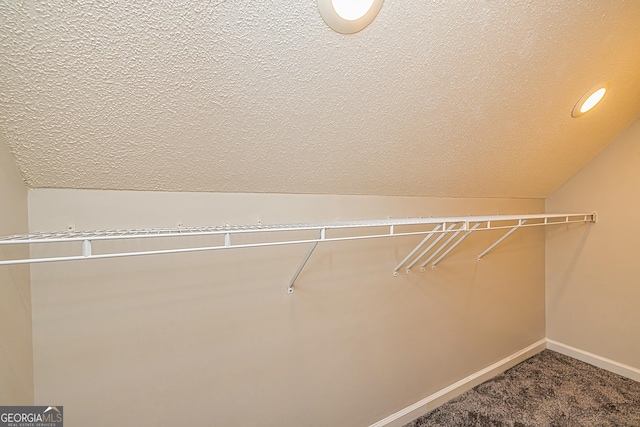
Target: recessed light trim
590,100
349,16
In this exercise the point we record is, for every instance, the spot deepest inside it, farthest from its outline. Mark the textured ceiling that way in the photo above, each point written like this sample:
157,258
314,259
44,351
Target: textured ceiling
435,98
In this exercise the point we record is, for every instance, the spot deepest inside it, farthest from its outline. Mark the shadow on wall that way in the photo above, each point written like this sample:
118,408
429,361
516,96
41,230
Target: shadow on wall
569,268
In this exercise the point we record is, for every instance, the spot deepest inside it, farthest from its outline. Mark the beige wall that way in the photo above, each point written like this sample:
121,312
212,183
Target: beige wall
214,339
16,357
593,275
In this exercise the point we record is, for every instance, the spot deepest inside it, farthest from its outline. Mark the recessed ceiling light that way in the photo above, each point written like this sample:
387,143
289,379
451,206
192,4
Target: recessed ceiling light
349,16
589,100
351,10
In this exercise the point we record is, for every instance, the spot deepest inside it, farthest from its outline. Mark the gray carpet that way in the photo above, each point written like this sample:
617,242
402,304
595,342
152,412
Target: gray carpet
547,390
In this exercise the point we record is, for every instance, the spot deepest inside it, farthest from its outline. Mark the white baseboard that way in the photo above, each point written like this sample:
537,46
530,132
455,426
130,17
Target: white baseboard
429,403
594,359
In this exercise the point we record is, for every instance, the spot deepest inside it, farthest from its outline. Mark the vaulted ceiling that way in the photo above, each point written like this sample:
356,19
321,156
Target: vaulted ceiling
434,98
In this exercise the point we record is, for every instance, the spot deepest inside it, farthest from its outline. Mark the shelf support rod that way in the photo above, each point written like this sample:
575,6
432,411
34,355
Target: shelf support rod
441,247
428,248
452,247
521,222
304,262
86,248
413,252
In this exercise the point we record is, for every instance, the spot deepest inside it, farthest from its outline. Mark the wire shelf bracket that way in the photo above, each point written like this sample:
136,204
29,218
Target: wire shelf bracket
304,262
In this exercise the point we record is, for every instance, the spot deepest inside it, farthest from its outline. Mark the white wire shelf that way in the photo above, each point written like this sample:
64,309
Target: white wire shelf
281,234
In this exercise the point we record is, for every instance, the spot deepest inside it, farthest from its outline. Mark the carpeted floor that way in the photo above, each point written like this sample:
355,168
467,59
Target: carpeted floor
548,389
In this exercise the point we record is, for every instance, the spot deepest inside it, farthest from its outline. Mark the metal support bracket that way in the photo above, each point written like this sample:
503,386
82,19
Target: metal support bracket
304,262
414,250
521,222
428,248
441,247
452,247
